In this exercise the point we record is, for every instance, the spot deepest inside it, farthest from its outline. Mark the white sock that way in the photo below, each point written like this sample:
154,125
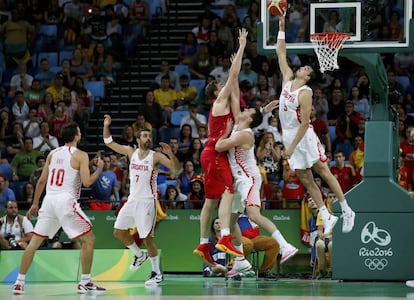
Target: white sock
344,206
280,239
21,278
155,264
137,251
85,278
225,231
324,212
204,241
240,248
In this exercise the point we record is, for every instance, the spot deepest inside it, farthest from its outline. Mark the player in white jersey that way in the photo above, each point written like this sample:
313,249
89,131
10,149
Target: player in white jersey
140,209
247,178
303,149
66,169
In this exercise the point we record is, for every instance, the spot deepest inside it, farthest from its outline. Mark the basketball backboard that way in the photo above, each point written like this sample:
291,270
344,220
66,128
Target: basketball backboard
368,22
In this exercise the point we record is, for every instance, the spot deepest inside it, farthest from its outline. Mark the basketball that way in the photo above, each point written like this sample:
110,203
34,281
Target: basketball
277,7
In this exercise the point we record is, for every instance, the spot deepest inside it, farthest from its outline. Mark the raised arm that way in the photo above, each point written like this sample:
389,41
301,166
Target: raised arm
287,73
109,142
236,64
233,80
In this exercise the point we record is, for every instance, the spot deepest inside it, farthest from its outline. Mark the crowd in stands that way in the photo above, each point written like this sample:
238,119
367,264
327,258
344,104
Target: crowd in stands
38,98
341,104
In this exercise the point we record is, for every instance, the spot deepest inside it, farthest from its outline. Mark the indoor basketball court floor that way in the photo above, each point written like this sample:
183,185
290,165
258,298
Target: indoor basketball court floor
180,287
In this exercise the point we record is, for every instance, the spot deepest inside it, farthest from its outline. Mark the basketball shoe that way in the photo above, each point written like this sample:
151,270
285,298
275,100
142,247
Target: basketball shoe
18,288
409,283
287,252
154,279
90,287
203,250
224,244
138,261
329,224
239,267
348,219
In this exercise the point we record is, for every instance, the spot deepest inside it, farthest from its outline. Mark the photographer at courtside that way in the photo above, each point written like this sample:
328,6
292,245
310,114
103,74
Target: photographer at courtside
15,230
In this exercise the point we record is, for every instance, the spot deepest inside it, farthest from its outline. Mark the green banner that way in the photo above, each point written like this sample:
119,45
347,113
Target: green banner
64,265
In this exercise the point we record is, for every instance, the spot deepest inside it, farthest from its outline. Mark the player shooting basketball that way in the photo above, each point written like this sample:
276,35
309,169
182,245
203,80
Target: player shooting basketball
303,150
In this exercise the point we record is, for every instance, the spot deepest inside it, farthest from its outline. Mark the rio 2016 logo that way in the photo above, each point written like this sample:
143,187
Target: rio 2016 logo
376,258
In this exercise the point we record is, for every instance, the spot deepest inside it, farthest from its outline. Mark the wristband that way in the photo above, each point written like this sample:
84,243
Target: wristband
108,140
281,35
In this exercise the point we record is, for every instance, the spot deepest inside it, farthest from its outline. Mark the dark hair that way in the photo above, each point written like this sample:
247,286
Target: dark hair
212,232
257,118
182,129
210,89
24,193
39,158
27,138
138,135
12,201
69,131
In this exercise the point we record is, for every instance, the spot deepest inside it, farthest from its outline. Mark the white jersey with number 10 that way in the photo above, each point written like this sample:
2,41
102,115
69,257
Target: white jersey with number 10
62,177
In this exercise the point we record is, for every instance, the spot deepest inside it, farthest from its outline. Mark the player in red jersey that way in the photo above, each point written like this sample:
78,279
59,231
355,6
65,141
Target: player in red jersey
217,174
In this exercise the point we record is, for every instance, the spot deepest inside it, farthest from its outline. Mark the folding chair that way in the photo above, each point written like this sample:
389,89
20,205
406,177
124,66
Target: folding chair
254,260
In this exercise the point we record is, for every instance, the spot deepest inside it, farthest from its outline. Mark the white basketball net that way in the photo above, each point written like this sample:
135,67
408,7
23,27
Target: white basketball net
327,46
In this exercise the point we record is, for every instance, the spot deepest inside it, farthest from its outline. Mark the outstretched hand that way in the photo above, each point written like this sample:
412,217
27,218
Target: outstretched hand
271,106
165,148
107,120
243,37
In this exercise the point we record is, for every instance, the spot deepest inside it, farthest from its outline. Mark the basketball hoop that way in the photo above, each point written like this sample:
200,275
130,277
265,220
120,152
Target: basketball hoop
327,46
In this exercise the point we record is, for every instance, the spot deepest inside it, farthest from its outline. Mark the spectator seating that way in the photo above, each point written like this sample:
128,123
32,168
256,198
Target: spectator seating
97,89
17,187
52,57
48,38
56,69
199,84
182,70
6,170
218,11
176,117
64,55
403,80
332,133
155,9
241,13
167,133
